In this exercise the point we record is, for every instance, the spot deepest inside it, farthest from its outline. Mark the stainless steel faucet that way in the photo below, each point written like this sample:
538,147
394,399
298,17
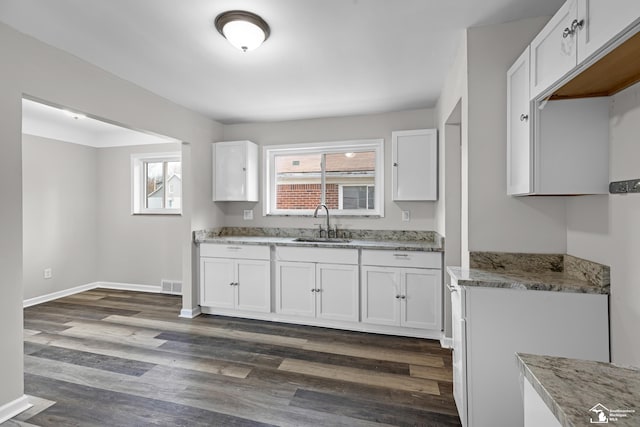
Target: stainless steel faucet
315,215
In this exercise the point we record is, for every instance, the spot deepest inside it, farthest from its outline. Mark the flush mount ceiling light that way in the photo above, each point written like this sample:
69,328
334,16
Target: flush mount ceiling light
244,30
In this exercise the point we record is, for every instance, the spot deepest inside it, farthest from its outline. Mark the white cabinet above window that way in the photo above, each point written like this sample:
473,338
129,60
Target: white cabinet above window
235,171
415,165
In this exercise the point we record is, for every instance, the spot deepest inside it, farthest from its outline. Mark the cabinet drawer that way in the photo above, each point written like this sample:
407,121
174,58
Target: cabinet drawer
402,258
324,255
235,251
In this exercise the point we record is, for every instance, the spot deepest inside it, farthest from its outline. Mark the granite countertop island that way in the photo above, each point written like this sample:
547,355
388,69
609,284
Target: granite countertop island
574,390
542,272
398,240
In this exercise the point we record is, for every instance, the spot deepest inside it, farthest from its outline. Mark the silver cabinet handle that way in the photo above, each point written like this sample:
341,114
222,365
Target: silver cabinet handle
524,117
575,25
451,289
401,255
234,248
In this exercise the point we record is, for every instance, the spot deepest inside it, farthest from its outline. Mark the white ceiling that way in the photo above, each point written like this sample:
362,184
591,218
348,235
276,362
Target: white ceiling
54,123
324,57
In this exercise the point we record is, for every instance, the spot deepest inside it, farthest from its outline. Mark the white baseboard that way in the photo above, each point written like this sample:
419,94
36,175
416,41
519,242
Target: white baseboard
129,287
13,408
55,295
104,285
190,313
446,342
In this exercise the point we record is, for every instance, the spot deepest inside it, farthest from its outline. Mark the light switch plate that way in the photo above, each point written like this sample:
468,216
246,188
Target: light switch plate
406,216
248,215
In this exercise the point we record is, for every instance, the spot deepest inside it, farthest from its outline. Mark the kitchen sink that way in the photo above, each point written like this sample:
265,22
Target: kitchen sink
321,240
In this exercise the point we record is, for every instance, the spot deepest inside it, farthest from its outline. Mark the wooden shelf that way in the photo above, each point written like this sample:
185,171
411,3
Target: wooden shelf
614,72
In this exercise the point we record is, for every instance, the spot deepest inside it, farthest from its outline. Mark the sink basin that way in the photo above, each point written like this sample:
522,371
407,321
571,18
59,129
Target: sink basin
321,240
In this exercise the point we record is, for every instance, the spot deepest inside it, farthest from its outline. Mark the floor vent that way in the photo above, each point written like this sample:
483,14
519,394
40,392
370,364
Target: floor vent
171,287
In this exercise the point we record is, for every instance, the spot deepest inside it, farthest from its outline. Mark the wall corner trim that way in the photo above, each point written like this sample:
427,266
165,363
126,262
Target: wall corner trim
190,313
13,408
446,342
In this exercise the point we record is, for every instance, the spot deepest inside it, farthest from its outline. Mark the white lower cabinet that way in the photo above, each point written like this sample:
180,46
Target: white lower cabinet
407,297
323,290
235,283
395,292
491,324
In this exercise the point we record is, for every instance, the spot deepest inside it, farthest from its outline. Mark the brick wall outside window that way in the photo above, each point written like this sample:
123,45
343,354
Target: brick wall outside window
305,196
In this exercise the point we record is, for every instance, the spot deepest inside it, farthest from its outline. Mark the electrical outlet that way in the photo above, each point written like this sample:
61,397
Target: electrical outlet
48,273
248,215
406,216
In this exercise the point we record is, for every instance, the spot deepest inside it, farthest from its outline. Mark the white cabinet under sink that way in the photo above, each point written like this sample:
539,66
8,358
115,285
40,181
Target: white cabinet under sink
317,283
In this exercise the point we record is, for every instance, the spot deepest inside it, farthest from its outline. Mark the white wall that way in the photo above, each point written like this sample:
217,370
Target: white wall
452,108
606,229
33,68
60,211
337,129
498,222
138,249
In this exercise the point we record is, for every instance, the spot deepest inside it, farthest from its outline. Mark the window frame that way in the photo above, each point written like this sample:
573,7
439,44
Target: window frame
269,183
138,182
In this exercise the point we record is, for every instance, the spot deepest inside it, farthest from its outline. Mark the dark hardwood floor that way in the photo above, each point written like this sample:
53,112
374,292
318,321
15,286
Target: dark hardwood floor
118,358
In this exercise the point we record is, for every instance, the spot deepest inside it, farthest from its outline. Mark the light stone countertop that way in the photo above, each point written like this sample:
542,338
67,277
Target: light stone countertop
571,388
396,245
525,280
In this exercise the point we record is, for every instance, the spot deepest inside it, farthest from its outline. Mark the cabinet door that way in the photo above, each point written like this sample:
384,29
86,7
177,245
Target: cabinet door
422,298
337,292
381,290
217,282
519,146
230,171
415,165
253,285
602,22
459,352
552,53
295,288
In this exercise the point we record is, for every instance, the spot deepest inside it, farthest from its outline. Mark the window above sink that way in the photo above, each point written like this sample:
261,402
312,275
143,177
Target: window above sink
347,176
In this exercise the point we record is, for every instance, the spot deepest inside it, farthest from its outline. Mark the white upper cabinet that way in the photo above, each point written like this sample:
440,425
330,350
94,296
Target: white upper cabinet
415,165
519,155
553,50
580,29
235,174
601,22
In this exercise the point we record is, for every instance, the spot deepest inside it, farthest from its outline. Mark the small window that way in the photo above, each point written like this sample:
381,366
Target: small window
346,176
156,183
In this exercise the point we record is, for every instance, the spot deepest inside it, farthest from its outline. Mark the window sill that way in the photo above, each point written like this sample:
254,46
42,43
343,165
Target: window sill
156,213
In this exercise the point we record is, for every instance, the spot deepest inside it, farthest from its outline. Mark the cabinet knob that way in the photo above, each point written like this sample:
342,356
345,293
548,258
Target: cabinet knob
313,290
577,25
231,284
397,296
524,117
403,297
395,164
